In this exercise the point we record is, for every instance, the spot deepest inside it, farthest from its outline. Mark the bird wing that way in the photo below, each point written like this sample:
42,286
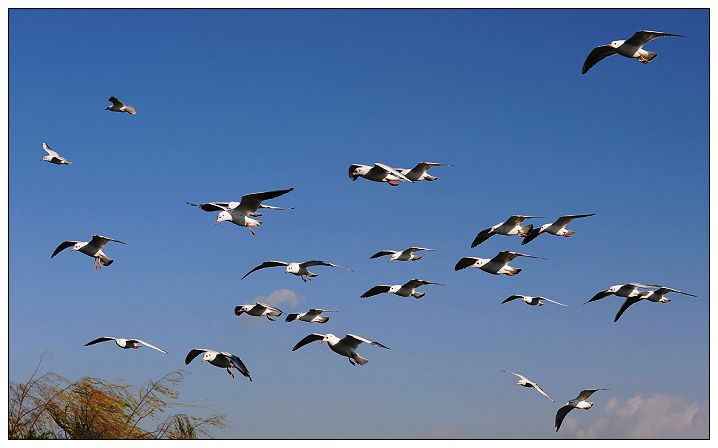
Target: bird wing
641,38
641,285
354,341
381,253
505,256
561,414
140,341
518,219
238,364
663,290
552,301
379,289
269,307
272,207
541,391
307,340
628,302
564,220
533,233
421,168
510,298
49,151
194,353
266,264
586,393
517,374
99,241
102,339
115,102
482,236
414,283
599,296
465,263
415,249
211,206
381,168
322,263
250,202
595,56
318,311
64,245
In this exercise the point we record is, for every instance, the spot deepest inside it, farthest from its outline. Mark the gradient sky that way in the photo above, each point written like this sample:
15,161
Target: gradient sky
231,102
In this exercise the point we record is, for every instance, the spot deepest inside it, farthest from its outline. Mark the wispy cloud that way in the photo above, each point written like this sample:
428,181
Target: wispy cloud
655,417
281,296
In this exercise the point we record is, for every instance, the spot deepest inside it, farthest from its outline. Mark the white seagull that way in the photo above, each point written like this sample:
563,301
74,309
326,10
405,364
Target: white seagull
420,171
658,296
557,228
125,343
401,255
405,290
240,213
295,268
530,300
54,157
377,173
93,248
525,382
224,360
258,310
119,106
313,315
346,346
578,402
511,226
628,290
631,48
497,265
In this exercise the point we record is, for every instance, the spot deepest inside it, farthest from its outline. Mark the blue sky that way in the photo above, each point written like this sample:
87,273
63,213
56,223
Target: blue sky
231,102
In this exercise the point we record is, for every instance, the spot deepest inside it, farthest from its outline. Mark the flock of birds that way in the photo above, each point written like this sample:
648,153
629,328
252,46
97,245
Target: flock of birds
245,212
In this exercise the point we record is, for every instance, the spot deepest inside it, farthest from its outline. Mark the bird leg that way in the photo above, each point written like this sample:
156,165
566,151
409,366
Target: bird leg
352,362
229,370
393,183
642,59
303,279
250,230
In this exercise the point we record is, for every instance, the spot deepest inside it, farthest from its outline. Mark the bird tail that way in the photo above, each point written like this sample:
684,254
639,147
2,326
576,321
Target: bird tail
416,257
312,274
430,177
649,55
105,260
568,233
418,294
527,229
513,271
291,317
359,360
322,320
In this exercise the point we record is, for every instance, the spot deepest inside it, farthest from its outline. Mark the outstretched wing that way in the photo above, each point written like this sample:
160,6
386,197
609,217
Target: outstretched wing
533,233
642,37
509,299
354,341
379,289
560,415
266,264
465,263
384,169
322,263
307,340
99,241
518,219
664,290
64,245
599,296
115,102
564,220
628,302
517,374
238,364
269,307
381,253
587,393
552,301
541,391
49,151
193,354
416,249
414,283
102,339
596,55
505,256
421,168
482,236
250,202
211,206
147,344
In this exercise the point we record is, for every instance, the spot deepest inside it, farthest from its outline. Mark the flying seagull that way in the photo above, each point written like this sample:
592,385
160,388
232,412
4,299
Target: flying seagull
93,248
54,157
628,290
631,48
125,343
119,106
258,310
220,359
420,171
401,255
497,265
525,382
405,290
313,315
377,173
240,213
295,268
658,296
578,402
557,228
530,300
346,346
511,226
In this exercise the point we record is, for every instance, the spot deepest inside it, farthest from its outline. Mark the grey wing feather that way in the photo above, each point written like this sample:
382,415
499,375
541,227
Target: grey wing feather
596,55
354,341
379,289
266,264
464,263
64,245
250,202
563,220
510,298
560,415
211,206
148,345
642,37
115,101
307,340
628,302
416,282
481,237
99,241
533,233
238,364
193,354
102,339
381,253
322,263
49,151
599,296
664,290
587,393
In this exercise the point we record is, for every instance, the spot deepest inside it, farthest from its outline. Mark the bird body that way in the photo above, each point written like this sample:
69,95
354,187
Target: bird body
258,310
377,173
525,382
657,296
313,315
54,157
406,290
223,360
92,248
401,255
628,290
346,346
630,48
498,265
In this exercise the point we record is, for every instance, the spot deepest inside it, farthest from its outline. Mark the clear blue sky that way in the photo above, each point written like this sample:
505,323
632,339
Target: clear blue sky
233,102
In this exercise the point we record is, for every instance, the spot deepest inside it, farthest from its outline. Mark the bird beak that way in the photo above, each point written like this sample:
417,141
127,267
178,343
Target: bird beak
322,341
216,222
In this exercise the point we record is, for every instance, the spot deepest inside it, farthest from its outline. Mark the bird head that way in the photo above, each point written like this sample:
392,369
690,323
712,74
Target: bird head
292,268
47,158
614,288
223,216
616,43
239,309
358,170
78,246
208,356
327,338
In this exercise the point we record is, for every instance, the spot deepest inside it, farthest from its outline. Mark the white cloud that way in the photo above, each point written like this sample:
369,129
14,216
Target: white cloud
656,417
281,296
